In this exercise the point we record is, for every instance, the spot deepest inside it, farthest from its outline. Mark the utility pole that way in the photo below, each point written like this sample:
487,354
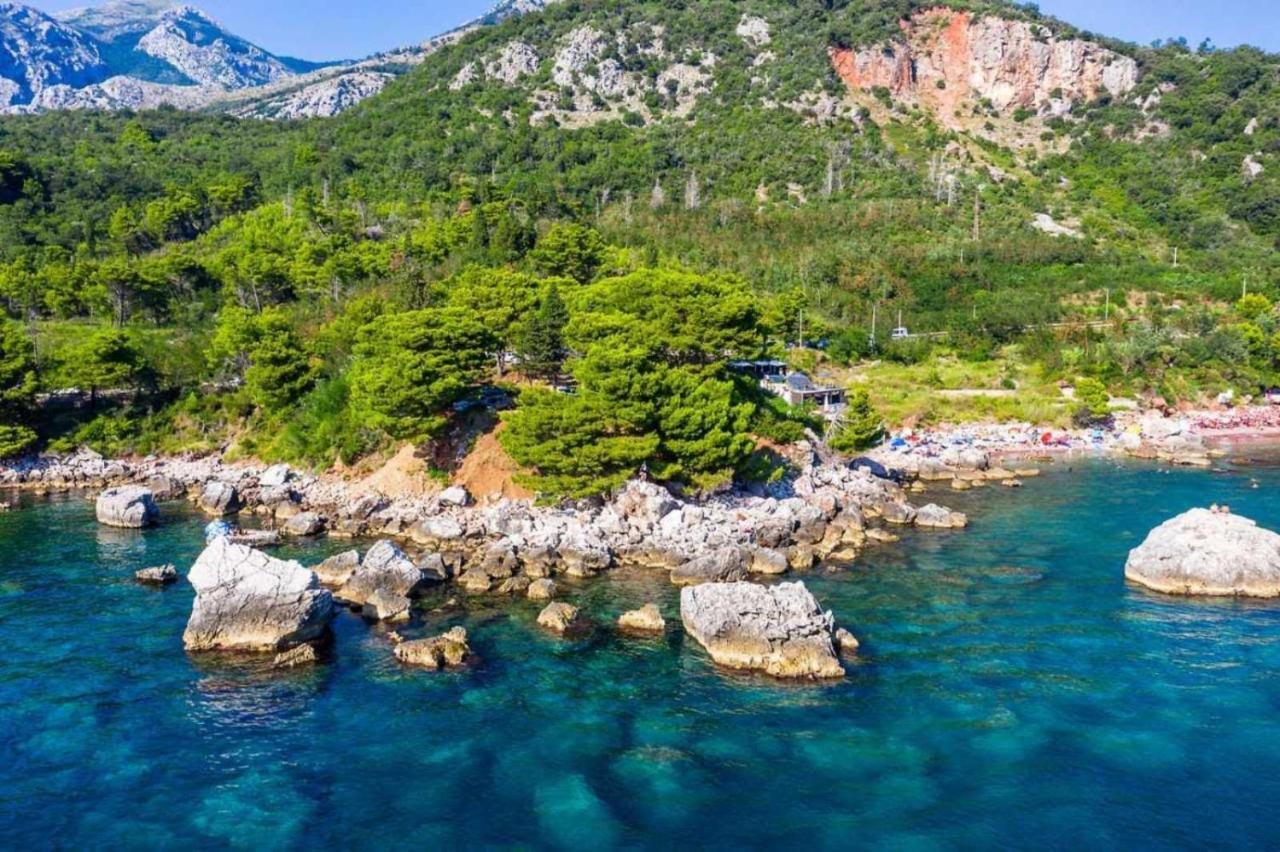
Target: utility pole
977,214
875,308
1107,314
1175,257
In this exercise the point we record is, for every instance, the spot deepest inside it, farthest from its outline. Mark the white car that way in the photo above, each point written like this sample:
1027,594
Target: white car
901,333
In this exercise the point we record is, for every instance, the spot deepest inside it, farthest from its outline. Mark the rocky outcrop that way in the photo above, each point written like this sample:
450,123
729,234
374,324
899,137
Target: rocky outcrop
161,575
954,63
337,569
560,618
385,569
447,651
303,525
728,564
249,601
219,499
541,590
127,508
778,630
1208,553
647,619
934,516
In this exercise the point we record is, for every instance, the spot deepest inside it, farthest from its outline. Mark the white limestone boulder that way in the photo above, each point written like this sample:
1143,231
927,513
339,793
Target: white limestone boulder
130,507
249,601
1204,553
778,630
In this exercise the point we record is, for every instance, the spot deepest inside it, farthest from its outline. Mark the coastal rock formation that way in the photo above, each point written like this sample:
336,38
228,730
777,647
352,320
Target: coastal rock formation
1205,553
385,568
559,618
303,525
938,517
647,619
727,564
541,590
779,630
161,575
127,508
449,650
385,605
337,570
249,601
957,64
219,499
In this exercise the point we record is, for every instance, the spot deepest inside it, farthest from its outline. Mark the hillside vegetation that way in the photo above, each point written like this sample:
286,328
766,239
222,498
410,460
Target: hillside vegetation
632,194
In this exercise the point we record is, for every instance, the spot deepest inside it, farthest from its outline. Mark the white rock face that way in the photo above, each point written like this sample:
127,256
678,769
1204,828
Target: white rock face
1046,224
195,45
128,508
37,51
323,99
754,31
119,93
516,60
249,601
779,630
1202,553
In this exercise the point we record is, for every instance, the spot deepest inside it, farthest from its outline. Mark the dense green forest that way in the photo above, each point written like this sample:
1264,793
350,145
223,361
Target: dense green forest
317,291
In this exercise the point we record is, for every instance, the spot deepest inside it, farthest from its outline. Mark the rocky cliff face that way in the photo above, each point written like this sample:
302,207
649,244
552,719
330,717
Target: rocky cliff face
37,51
963,67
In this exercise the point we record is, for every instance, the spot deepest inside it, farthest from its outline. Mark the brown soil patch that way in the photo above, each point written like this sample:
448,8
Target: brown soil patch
404,475
488,472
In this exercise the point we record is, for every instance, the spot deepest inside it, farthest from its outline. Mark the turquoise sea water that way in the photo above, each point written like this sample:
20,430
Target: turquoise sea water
1012,692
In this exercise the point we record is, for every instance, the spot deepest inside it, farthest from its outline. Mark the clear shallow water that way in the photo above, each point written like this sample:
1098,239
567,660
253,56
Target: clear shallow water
1013,692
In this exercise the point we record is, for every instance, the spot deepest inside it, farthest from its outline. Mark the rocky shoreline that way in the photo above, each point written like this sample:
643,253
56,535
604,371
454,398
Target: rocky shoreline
822,511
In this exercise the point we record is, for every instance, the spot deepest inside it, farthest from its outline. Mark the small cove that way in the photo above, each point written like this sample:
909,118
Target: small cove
1013,691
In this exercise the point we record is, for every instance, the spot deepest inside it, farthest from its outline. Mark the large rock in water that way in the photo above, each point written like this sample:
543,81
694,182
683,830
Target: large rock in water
249,601
779,630
130,507
1203,553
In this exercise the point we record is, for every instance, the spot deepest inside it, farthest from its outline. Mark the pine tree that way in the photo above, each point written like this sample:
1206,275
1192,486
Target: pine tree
541,347
280,371
862,429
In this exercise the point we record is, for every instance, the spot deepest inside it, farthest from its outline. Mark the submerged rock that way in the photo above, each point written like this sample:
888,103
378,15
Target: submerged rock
130,507
647,619
249,601
303,655
1205,553
159,576
779,630
447,651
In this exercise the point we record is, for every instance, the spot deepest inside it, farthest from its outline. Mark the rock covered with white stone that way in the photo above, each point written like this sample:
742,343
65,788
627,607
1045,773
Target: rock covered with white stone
130,507
249,601
386,569
778,630
1208,553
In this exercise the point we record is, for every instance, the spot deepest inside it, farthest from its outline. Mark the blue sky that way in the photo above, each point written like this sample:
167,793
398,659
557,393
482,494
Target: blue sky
335,29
